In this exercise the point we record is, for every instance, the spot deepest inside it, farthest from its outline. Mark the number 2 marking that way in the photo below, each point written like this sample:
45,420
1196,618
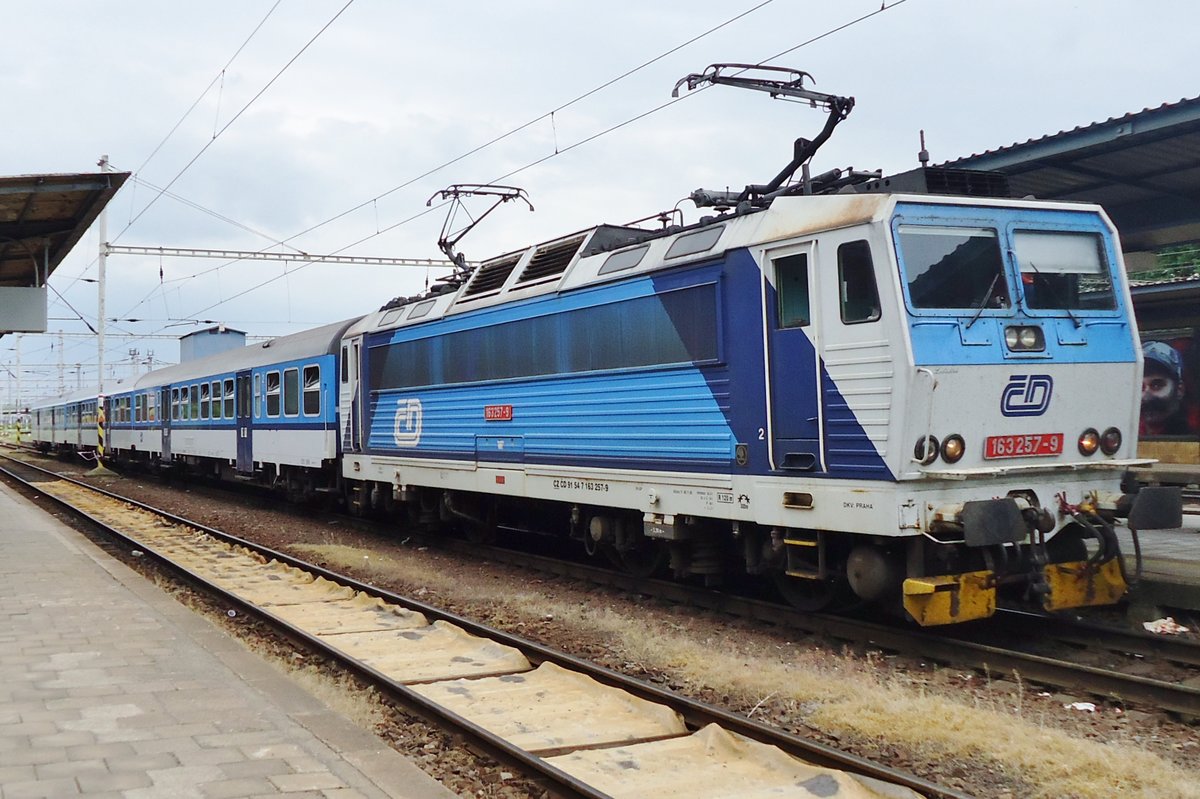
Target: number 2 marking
762,434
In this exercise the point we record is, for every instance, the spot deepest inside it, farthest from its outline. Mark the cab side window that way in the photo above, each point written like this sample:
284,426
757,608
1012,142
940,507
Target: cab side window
856,283
791,286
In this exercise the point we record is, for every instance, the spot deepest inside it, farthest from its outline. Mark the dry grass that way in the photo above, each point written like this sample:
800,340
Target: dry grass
846,695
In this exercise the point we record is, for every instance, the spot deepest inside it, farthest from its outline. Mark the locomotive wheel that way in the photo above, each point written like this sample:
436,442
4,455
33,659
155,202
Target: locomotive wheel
480,533
640,561
807,595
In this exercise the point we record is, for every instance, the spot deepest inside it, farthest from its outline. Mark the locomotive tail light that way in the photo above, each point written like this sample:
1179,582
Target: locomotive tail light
1089,441
1110,442
953,448
926,450
1024,338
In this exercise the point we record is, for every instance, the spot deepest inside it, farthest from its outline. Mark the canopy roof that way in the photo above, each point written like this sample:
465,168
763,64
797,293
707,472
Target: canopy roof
1143,167
43,216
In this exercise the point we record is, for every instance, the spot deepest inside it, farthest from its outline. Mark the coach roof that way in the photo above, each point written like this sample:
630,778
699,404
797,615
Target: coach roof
310,343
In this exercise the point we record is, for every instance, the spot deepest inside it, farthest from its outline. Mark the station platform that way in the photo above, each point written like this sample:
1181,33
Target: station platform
1170,566
109,687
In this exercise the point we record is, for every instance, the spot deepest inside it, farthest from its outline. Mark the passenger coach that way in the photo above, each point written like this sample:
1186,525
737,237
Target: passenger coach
266,412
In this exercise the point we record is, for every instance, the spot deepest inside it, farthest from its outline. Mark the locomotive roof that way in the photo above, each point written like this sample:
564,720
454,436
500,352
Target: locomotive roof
610,252
322,340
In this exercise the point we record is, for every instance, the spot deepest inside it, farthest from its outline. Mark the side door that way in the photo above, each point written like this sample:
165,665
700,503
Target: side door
245,423
793,370
164,414
350,410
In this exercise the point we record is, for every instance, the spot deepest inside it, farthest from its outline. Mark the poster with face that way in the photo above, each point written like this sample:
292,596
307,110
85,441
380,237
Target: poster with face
1170,384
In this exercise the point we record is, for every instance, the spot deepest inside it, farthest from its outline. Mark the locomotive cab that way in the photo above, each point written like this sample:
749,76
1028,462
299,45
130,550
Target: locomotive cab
1021,345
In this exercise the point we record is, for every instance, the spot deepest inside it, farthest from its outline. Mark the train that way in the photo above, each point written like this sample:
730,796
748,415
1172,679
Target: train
914,392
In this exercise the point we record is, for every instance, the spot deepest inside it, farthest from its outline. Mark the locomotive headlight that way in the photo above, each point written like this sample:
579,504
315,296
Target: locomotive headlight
1110,442
926,450
1089,442
1024,338
953,448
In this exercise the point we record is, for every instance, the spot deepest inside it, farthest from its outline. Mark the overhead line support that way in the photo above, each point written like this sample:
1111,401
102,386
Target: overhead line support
255,255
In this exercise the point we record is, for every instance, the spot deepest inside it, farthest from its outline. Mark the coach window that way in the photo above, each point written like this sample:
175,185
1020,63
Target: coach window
195,401
791,284
152,406
229,398
856,281
272,393
185,403
312,390
175,404
345,366
291,392
204,400
139,410
258,408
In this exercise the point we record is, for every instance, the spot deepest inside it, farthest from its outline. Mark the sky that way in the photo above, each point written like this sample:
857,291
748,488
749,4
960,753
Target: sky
325,126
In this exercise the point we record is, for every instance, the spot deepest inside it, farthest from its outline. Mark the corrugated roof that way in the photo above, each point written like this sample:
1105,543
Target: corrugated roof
43,216
1143,167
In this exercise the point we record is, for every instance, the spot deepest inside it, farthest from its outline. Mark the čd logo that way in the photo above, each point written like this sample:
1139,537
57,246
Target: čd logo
1026,395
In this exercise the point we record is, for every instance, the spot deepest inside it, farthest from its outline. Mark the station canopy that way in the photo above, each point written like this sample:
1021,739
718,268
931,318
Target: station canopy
41,218
1143,168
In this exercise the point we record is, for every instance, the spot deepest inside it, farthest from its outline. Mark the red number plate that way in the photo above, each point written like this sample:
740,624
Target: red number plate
1027,446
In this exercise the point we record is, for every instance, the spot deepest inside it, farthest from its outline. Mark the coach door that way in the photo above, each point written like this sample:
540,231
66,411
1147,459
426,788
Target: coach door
245,424
349,410
794,412
164,415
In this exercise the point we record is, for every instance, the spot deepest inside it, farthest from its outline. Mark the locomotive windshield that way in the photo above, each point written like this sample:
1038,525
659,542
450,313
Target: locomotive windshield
953,267
1064,271
975,269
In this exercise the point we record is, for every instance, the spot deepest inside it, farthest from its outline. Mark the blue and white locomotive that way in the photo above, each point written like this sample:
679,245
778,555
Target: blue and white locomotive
892,391
916,391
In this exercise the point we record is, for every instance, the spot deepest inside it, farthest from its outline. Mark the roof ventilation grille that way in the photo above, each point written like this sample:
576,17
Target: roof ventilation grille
491,275
551,260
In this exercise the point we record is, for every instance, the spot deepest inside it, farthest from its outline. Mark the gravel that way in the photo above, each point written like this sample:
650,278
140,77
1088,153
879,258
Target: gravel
470,775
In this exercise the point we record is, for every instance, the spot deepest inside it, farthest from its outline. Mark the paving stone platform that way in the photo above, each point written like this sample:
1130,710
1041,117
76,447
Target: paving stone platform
1170,567
110,688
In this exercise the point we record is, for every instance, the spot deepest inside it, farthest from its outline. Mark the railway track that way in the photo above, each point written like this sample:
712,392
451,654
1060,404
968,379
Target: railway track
969,647
963,647
582,730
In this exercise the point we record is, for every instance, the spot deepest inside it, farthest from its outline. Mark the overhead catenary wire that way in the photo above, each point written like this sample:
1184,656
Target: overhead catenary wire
561,150
558,152
375,199
219,76
235,117
547,115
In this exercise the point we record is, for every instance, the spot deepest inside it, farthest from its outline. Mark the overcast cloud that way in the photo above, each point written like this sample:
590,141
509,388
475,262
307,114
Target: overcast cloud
393,89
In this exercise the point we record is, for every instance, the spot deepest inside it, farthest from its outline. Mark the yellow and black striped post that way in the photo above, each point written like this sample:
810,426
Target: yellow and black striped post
100,429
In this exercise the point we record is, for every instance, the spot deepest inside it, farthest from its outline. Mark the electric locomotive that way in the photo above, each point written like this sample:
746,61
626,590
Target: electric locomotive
849,384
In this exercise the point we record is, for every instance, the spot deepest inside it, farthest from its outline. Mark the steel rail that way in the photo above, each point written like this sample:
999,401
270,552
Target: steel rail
695,714
1184,651
947,647
952,645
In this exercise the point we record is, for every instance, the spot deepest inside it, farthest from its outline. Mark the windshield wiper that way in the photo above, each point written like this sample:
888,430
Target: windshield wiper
983,304
1054,293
